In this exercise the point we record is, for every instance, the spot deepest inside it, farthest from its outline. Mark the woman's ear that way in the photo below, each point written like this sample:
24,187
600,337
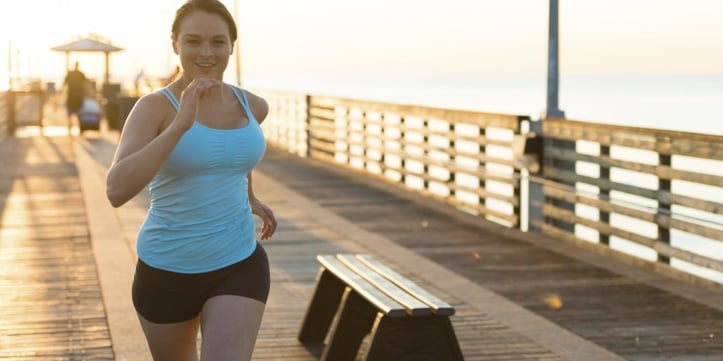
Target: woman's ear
175,46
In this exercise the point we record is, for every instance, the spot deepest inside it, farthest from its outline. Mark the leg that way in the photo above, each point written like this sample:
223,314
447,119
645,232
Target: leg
171,341
230,325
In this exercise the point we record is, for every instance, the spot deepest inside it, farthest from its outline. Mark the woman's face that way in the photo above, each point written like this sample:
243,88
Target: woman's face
203,45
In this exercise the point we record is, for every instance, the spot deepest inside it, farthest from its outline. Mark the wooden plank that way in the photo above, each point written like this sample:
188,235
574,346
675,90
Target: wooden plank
440,307
665,197
414,306
694,258
571,177
323,114
450,200
663,220
661,141
505,121
380,300
660,171
567,216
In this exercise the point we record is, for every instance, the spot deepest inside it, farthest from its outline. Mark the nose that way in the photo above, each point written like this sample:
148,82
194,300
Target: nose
206,49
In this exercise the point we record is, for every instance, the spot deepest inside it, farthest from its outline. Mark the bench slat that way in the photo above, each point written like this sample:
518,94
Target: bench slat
414,306
383,302
438,306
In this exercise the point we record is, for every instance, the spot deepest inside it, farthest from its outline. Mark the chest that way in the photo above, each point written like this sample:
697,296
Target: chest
209,150
226,115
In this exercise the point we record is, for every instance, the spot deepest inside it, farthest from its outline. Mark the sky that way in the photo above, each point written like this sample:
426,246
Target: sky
379,37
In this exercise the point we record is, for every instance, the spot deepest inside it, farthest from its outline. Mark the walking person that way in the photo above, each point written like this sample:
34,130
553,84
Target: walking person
75,83
194,144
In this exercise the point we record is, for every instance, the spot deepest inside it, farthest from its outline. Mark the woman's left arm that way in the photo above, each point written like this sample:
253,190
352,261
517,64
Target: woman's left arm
260,109
263,211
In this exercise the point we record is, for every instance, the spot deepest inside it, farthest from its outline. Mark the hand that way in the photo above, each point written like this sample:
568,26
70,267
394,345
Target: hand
267,216
190,98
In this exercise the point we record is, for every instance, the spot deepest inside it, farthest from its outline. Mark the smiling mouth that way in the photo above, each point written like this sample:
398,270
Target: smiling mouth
205,65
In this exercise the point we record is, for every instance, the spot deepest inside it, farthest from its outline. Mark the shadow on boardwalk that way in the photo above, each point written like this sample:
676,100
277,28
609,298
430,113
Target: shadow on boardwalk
515,301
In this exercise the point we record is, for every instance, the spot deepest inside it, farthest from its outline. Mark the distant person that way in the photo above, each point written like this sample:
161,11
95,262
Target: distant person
76,84
193,144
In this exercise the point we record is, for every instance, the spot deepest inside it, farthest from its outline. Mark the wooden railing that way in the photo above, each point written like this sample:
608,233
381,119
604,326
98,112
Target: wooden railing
4,114
20,108
461,158
653,194
659,192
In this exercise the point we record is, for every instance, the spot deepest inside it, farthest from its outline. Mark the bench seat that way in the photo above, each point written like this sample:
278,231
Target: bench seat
357,295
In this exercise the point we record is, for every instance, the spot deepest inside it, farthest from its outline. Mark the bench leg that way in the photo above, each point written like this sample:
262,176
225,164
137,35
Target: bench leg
354,321
429,338
322,308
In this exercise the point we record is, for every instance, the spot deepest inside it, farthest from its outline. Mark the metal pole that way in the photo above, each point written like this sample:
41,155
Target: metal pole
237,54
553,83
106,77
553,76
10,65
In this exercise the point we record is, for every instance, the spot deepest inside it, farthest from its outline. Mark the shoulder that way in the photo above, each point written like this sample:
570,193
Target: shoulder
153,102
258,105
151,112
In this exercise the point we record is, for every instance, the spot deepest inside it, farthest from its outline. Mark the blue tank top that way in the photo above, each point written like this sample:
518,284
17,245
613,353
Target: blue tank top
199,218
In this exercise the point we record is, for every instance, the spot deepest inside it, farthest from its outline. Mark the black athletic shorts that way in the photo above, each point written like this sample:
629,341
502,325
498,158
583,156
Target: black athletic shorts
168,297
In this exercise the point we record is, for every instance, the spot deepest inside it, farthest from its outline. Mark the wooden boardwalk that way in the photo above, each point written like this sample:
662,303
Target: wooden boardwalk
518,297
50,299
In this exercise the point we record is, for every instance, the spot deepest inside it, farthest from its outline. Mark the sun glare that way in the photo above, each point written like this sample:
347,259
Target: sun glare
29,29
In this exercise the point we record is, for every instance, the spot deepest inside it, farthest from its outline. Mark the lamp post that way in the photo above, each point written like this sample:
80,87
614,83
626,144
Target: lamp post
553,64
10,65
237,53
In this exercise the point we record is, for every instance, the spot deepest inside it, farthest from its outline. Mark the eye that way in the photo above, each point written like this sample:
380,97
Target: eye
192,41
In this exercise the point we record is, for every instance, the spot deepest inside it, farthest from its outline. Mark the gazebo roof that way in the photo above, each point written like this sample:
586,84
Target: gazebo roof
87,45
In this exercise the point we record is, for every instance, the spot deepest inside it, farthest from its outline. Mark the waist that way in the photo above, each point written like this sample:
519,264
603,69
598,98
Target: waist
193,200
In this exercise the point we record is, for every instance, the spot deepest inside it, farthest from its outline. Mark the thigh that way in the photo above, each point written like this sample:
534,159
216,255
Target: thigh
249,278
166,297
230,325
171,341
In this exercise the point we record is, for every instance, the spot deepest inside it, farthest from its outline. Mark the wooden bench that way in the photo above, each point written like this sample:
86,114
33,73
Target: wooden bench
357,295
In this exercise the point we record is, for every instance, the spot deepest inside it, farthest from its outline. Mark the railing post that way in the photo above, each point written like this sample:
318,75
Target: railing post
536,195
11,113
452,160
566,167
403,146
604,194
664,160
482,149
521,190
307,124
425,152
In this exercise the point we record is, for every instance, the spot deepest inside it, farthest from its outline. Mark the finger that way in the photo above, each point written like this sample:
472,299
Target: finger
269,225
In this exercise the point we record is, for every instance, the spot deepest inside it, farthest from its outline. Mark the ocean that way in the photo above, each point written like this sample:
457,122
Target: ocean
690,103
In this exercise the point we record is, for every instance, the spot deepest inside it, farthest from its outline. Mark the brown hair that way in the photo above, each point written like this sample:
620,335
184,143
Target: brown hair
210,6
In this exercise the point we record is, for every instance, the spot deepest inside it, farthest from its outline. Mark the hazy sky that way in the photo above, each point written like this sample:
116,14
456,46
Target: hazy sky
408,37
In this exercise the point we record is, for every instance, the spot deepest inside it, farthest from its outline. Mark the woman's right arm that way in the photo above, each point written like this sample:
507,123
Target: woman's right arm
145,142
142,149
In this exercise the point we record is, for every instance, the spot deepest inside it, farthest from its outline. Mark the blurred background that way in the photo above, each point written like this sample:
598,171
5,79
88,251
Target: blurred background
646,63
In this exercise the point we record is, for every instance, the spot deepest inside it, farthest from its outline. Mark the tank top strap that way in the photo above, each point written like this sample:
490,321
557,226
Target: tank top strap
171,98
240,95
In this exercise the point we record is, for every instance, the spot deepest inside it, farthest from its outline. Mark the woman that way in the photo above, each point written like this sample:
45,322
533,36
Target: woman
194,143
